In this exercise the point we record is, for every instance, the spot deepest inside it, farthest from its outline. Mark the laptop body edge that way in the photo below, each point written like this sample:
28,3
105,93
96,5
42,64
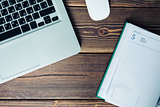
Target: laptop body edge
42,48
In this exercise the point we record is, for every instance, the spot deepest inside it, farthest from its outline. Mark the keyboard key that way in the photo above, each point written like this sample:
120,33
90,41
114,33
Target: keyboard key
8,18
49,2
47,11
25,28
11,9
4,12
35,15
43,5
40,24
19,1
25,4
22,13
9,34
0,6
39,1
15,23
7,26
18,6
33,25
15,15
55,18
5,4
11,2
47,19
29,10
21,21
2,21
28,18
32,2
36,7
1,29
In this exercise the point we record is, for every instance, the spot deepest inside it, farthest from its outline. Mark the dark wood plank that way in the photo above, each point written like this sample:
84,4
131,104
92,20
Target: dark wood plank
54,103
119,3
147,16
77,77
27,103
83,103
102,36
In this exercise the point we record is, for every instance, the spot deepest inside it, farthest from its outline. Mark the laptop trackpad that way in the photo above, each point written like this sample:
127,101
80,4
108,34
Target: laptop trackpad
17,58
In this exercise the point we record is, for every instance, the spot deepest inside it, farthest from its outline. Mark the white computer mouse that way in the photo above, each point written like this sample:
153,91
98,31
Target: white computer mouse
98,9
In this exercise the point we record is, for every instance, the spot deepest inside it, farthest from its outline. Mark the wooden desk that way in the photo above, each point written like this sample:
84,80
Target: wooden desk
74,81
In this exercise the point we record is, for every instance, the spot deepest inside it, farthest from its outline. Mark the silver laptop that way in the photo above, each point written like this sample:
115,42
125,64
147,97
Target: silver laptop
33,34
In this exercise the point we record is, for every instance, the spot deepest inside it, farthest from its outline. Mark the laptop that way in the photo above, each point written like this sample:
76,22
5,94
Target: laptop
33,34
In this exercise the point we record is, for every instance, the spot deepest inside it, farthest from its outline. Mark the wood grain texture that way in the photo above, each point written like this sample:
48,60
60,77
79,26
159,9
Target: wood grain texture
77,77
83,103
119,3
27,103
102,36
54,103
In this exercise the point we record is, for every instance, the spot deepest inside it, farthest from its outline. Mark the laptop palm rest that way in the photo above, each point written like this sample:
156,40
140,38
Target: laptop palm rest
17,58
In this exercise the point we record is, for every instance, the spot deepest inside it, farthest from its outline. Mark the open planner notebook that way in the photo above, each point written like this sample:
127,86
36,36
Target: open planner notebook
132,78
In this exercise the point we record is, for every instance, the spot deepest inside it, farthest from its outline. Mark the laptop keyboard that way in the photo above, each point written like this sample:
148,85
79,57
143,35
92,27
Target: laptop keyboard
21,16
